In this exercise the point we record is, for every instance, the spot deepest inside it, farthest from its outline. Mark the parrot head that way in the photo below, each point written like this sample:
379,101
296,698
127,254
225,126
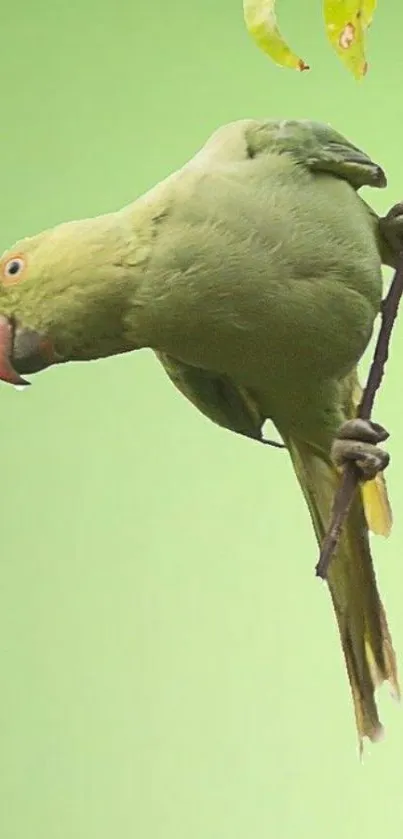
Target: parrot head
63,297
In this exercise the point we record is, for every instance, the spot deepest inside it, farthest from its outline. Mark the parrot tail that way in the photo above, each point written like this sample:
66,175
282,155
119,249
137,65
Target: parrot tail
361,618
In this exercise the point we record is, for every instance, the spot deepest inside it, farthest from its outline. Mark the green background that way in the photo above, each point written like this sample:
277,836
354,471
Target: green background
170,667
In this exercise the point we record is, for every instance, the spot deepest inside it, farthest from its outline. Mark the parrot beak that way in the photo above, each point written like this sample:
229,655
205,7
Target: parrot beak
22,350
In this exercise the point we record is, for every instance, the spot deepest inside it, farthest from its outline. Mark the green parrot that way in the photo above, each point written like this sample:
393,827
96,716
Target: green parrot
254,274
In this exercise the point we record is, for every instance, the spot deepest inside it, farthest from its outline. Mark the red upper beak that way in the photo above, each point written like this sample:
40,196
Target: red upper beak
7,372
22,350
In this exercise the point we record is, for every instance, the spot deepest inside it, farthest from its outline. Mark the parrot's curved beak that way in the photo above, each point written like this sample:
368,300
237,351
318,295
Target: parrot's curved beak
22,350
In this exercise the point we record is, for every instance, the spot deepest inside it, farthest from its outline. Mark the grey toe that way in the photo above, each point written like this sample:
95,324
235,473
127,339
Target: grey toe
362,430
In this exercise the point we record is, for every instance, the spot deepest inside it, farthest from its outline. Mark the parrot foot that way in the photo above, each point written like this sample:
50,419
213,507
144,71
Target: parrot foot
391,229
356,442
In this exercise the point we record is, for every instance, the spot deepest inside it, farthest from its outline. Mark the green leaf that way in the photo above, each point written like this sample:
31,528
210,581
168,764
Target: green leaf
261,23
346,24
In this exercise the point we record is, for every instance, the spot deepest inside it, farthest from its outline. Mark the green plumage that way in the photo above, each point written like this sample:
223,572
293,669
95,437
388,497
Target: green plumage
255,274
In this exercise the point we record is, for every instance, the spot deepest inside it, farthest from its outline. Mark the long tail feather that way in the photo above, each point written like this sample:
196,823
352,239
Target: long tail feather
374,493
361,618
377,508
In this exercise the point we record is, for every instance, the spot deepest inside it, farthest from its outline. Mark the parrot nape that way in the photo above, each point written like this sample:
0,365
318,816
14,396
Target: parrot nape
254,274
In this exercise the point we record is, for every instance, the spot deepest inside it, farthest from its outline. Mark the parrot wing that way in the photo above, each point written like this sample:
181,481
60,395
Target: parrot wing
319,147
217,397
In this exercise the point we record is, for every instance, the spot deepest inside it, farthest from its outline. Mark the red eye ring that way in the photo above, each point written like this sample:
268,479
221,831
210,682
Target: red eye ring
13,268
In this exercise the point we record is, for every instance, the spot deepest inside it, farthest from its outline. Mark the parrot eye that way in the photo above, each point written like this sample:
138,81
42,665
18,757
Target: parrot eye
13,268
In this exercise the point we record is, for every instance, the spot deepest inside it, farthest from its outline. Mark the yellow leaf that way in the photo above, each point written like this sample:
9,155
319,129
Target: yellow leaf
346,24
260,19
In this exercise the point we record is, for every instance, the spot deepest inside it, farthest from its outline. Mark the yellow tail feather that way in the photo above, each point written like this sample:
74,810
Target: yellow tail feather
374,493
377,508
364,634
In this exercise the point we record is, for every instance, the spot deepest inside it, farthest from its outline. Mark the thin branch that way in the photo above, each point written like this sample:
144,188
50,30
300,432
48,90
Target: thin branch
346,490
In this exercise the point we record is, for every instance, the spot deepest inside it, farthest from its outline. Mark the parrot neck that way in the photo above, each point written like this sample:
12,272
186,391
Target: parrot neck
117,306
148,286
105,311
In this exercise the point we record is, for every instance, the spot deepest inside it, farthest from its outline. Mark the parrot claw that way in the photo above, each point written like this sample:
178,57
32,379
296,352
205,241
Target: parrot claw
356,442
391,228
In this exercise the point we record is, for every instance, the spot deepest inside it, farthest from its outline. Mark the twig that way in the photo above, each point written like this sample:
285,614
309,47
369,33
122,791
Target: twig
346,490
